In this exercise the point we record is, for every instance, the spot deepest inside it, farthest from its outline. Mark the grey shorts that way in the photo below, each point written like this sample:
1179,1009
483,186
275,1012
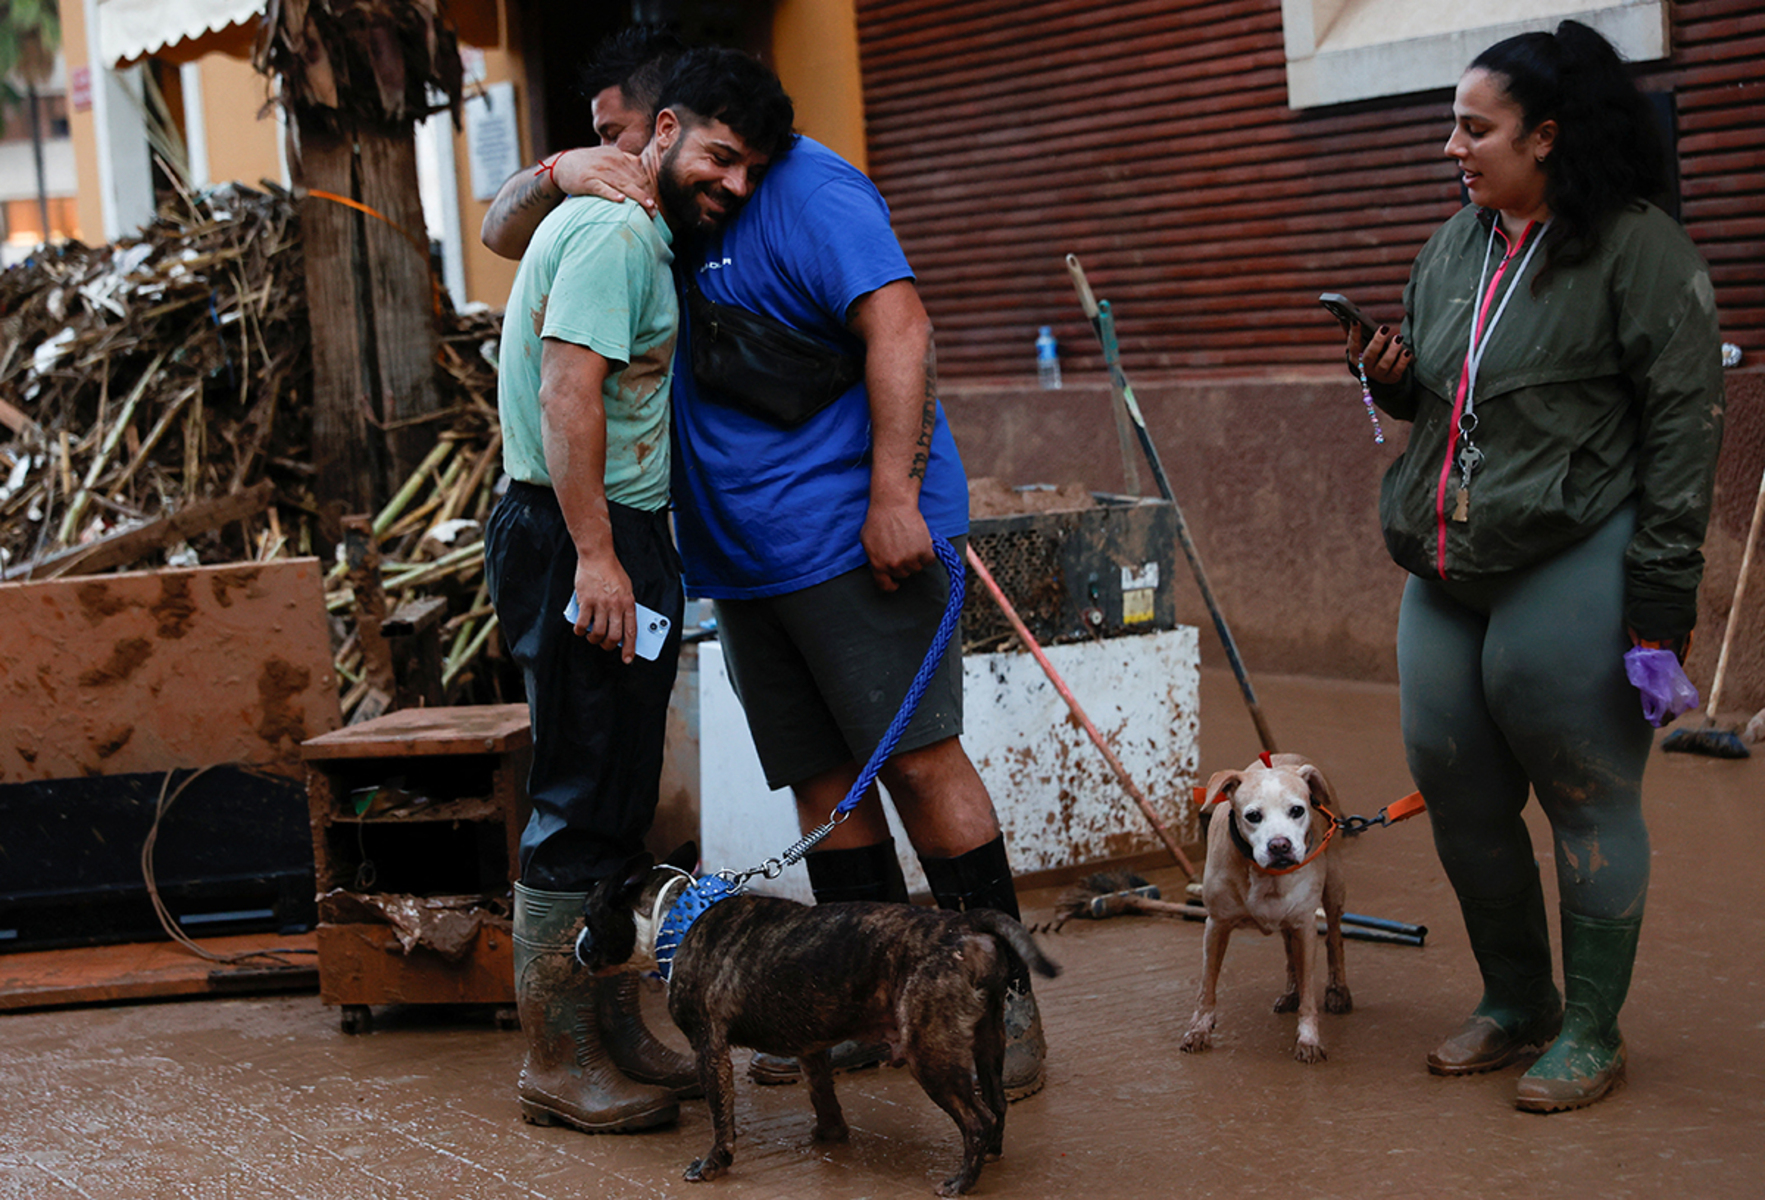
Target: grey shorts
821,672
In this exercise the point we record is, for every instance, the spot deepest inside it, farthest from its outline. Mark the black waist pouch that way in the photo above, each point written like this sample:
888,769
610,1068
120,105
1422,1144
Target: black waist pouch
762,366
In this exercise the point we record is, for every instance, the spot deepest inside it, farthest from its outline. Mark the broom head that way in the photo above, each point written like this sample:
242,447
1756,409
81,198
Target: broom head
1711,743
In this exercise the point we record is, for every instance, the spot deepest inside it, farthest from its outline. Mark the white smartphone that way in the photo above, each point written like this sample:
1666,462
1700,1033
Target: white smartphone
652,628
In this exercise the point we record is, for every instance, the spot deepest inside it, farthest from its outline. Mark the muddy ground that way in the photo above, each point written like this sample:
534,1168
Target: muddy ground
266,1097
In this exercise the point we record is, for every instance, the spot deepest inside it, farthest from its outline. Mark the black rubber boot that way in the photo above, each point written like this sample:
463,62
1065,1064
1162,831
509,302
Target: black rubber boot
569,1077
861,873
981,878
1521,1009
1586,1062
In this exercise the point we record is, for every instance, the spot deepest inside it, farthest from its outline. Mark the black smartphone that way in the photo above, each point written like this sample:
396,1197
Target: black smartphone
1343,309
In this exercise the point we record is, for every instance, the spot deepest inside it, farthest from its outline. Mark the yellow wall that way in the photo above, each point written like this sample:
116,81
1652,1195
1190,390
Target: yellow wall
489,277
81,127
815,52
241,145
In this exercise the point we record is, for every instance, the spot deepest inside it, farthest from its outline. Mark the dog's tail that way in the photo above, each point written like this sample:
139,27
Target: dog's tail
1014,935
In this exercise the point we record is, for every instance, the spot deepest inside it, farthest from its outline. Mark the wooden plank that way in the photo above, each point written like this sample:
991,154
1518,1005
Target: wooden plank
154,970
132,545
417,732
364,964
151,670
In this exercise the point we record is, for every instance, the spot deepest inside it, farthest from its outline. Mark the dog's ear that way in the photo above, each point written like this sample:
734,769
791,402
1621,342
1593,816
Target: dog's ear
685,857
1222,787
633,875
1323,796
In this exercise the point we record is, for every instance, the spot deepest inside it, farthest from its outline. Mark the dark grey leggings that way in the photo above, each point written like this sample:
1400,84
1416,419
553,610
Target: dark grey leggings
1517,682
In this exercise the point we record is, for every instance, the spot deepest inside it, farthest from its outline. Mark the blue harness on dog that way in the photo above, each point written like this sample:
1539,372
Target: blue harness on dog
694,902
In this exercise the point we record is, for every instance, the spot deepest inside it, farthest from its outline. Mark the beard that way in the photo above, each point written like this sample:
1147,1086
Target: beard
680,200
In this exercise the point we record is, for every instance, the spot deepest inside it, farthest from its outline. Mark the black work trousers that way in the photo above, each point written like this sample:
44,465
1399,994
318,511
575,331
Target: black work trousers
598,723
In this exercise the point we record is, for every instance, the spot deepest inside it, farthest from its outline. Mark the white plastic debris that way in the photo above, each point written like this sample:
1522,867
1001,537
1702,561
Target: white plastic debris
21,471
447,531
51,351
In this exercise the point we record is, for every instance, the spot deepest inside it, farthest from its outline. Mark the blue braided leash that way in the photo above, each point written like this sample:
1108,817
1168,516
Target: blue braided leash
953,566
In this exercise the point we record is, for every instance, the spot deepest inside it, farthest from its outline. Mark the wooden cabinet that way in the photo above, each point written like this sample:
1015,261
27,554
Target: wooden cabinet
416,821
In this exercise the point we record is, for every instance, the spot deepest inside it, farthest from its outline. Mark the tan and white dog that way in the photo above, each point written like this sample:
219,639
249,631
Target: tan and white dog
1271,862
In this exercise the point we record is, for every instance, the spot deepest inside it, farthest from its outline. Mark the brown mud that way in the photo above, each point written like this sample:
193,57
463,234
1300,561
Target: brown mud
265,1097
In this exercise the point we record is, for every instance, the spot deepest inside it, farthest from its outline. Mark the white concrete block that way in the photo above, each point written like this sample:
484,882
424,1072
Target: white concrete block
1058,801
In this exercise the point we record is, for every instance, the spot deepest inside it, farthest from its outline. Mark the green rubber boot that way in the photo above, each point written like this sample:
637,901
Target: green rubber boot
1521,1009
569,1076
1586,1062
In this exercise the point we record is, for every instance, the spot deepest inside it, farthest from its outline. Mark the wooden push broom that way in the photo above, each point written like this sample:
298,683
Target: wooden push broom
1709,740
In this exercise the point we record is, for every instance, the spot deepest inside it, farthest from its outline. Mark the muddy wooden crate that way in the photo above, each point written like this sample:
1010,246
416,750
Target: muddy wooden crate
416,821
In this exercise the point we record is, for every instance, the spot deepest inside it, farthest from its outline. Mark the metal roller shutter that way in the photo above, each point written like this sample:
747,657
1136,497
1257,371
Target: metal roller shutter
1153,139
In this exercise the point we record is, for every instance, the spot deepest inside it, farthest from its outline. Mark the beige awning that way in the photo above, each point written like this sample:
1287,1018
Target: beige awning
176,30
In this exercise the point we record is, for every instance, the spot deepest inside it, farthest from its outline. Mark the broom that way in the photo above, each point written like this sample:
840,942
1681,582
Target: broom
1711,741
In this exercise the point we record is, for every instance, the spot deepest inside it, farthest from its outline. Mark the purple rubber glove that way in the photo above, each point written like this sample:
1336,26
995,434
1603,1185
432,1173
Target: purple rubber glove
1666,692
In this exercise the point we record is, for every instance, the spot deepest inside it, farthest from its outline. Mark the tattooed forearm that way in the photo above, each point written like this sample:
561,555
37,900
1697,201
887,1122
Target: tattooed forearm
928,414
533,194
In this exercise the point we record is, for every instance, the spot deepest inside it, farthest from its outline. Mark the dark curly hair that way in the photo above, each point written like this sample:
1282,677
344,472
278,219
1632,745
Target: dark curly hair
637,61
737,89
1608,154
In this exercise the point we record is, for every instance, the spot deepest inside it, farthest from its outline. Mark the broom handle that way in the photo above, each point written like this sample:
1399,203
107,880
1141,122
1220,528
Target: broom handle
1740,589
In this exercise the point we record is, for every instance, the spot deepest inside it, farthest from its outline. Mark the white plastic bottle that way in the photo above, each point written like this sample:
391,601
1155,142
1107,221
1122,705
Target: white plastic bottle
1047,358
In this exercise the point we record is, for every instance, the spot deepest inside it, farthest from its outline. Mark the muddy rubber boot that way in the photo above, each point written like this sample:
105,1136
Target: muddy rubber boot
981,878
860,873
636,1051
1586,1062
569,1077
1521,1009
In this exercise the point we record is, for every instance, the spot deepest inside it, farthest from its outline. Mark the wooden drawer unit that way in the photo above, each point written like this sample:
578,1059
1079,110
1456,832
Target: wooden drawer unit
416,822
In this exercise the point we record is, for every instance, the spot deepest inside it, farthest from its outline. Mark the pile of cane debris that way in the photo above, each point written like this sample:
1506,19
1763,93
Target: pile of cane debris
155,410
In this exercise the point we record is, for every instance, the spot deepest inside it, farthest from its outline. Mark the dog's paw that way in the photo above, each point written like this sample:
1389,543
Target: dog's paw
1309,1052
956,1185
1338,1000
1287,1002
833,1133
1197,1040
705,1169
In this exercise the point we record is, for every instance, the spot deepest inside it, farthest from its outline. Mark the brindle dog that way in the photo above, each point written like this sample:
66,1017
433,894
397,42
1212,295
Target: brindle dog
790,979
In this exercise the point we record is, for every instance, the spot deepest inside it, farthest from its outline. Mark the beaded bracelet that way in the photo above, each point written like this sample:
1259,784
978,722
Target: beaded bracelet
1367,398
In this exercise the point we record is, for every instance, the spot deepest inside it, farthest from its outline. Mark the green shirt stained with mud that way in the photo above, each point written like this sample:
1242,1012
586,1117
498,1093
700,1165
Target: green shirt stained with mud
597,275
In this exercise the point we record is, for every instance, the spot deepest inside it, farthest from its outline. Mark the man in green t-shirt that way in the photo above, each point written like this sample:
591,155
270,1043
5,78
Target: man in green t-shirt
583,394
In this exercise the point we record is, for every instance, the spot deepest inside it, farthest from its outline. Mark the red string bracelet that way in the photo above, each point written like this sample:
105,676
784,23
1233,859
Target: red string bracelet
548,166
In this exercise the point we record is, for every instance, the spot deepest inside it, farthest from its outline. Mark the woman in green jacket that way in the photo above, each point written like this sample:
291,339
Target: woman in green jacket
1560,363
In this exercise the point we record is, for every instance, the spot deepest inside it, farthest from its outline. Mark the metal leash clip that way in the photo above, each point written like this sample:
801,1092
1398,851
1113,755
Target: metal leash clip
1397,810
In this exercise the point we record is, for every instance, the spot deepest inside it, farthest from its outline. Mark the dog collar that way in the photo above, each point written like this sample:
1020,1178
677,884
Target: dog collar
698,898
1249,853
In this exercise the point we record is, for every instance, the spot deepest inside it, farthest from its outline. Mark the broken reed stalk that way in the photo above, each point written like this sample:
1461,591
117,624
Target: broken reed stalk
411,487
70,521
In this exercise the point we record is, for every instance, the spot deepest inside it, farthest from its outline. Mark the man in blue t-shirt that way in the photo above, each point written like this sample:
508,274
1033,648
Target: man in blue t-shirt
583,395
816,543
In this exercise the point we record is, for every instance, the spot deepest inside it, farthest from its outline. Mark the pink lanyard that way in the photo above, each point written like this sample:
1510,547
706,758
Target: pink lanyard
1461,450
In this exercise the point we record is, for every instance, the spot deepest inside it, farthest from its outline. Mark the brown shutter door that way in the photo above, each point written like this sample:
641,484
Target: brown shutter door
1153,139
